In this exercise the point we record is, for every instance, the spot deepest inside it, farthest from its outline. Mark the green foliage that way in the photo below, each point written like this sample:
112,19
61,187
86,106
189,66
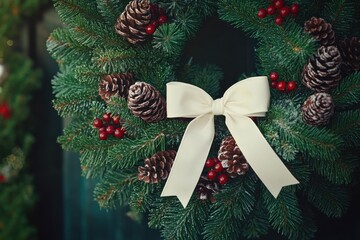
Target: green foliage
319,157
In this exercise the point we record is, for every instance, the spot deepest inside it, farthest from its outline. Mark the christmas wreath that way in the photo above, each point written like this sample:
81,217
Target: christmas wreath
142,118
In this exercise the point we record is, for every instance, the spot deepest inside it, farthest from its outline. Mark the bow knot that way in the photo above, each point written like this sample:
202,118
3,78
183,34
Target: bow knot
218,107
244,99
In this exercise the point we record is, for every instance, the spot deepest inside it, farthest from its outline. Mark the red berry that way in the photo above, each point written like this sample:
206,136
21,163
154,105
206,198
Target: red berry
98,123
116,120
103,135
162,19
2,178
279,4
279,20
223,179
218,167
155,23
211,175
281,86
274,84
216,160
274,76
284,11
291,86
5,110
119,133
102,129
106,117
271,10
210,162
150,29
110,129
261,13
295,8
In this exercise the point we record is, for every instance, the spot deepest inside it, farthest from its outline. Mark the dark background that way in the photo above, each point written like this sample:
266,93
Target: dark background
66,209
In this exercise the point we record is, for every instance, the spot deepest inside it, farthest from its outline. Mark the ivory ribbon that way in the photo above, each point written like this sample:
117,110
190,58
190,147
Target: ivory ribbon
247,98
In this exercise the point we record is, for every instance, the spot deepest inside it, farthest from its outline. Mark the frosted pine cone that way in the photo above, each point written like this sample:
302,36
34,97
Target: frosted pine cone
323,71
318,109
157,167
115,85
133,21
231,157
350,53
321,30
207,188
146,102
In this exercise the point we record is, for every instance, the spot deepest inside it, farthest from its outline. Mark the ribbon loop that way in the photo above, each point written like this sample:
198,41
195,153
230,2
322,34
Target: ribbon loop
247,98
218,107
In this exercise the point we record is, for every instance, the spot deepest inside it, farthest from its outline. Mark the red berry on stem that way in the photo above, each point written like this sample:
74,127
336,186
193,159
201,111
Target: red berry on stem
279,4
211,175
162,19
281,86
216,160
110,129
119,133
295,8
5,110
106,117
271,10
102,129
116,120
291,86
223,179
218,167
284,11
274,84
98,123
210,162
150,29
274,76
279,20
261,13
103,135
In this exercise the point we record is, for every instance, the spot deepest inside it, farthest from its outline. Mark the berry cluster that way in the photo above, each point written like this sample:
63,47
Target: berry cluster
109,125
281,86
278,7
216,171
158,18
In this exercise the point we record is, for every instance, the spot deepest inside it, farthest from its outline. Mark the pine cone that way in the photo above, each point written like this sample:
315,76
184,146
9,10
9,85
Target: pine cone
318,109
133,21
350,53
323,71
207,188
146,102
321,30
115,85
231,157
157,167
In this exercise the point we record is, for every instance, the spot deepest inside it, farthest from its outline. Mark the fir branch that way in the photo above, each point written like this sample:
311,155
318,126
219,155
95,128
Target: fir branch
332,200
73,105
169,38
110,10
347,125
347,94
256,224
284,213
115,188
128,152
142,196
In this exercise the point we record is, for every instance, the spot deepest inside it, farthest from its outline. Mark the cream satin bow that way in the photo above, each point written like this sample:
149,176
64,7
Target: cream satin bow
247,98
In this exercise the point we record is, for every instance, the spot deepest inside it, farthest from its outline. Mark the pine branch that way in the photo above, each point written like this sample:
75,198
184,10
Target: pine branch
114,189
332,200
110,10
347,94
73,105
256,224
347,125
169,38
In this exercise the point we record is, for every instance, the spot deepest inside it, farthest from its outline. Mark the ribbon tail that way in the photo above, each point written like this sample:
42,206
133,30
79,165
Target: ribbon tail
190,159
259,154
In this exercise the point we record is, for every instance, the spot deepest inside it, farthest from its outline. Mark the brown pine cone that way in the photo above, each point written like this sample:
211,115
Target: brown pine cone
157,167
318,109
350,53
321,30
207,188
232,158
146,102
133,21
323,71
115,85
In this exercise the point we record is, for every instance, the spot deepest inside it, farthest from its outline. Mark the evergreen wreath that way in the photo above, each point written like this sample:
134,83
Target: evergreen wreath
112,85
